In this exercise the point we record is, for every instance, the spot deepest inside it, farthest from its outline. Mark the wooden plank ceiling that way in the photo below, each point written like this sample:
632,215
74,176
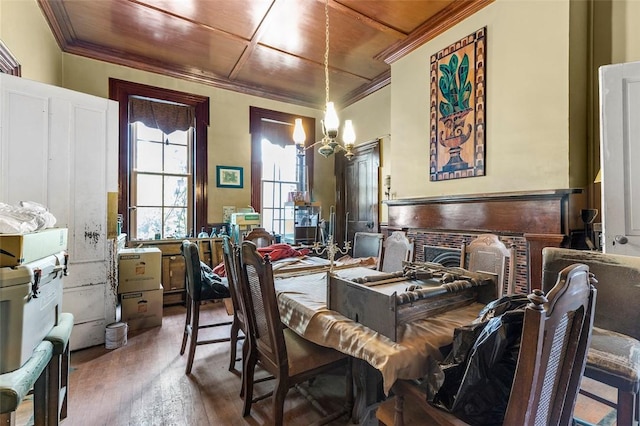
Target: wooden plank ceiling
268,48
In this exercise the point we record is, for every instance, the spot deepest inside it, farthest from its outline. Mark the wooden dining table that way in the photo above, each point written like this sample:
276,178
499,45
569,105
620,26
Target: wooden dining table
302,296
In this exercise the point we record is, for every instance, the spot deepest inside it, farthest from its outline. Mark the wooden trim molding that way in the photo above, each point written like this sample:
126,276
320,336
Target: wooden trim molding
543,218
439,23
8,63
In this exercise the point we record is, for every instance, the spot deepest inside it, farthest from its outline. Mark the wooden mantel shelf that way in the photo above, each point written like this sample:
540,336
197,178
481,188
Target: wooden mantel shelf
468,198
517,213
543,218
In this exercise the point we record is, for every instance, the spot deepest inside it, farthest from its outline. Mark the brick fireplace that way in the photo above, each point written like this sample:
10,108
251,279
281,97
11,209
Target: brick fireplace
530,220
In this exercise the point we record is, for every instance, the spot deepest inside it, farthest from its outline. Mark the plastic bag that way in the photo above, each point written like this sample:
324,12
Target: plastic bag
479,370
27,217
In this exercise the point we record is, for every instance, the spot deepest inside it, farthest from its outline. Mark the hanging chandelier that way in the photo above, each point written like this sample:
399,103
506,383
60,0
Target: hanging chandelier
331,123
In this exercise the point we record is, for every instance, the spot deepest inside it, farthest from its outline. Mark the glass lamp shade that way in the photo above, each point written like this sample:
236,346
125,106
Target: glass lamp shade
299,136
331,120
348,134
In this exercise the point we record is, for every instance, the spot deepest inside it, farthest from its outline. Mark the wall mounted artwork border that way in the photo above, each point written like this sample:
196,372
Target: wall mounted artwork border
457,109
229,177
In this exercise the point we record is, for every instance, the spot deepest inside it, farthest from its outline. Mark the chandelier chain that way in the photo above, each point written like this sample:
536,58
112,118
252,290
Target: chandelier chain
326,51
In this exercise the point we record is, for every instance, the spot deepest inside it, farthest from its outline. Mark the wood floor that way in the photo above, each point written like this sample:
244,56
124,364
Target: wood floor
144,383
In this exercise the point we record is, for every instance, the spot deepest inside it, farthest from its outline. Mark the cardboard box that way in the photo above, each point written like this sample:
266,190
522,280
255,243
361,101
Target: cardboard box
16,249
142,309
139,269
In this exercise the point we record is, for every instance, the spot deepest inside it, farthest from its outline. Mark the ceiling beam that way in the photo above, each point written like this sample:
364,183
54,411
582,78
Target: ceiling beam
367,20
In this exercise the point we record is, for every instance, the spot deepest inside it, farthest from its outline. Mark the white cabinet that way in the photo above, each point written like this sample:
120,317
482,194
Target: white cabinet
59,148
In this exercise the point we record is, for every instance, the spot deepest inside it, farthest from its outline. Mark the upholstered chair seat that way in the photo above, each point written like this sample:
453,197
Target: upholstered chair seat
616,357
304,355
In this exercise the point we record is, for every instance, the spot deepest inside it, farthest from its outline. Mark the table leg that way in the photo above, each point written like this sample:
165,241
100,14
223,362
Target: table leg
368,389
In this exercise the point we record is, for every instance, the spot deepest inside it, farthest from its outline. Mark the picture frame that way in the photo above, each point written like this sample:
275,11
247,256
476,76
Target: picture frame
457,109
229,177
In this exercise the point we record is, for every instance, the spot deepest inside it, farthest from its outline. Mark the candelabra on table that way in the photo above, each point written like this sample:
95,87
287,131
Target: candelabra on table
331,249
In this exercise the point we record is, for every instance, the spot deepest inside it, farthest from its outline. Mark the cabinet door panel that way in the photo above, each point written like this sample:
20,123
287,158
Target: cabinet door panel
177,272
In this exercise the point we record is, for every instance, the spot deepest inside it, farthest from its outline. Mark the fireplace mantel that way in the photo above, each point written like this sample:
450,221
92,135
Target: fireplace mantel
543,218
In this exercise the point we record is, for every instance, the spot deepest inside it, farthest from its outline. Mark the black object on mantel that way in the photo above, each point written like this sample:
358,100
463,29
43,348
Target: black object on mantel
585,239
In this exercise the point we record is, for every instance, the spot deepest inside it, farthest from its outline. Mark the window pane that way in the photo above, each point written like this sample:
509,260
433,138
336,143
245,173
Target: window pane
287,164
179,137
278,163
148,133
149,190
175,191
149,222
267,219
176,159
267,194
175,224
285,189
148,156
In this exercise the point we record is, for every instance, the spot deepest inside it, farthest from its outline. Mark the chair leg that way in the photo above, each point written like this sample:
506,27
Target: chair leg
41,399
64,381
279,395
626,408
248,372
195,325
53,388
235,328
398,417
187,322
245,355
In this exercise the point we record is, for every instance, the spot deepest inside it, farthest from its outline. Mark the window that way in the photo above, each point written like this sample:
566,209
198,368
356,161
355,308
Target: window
161,183
162,174
279,177
275,168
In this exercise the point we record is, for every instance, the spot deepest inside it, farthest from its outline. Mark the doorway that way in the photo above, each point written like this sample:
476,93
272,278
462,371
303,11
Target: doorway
357,191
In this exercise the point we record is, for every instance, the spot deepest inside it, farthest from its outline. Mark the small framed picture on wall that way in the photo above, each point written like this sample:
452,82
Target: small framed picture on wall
229,177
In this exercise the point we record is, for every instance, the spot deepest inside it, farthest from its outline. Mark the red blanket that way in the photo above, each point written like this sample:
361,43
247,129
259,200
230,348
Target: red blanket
275,252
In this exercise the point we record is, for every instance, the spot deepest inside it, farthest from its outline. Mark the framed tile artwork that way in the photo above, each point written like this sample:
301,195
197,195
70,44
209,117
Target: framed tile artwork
229,177
457,109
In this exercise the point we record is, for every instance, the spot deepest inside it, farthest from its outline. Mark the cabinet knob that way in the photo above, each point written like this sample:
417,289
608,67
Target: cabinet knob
172,258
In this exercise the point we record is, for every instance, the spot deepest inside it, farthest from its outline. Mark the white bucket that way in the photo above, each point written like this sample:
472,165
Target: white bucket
116,335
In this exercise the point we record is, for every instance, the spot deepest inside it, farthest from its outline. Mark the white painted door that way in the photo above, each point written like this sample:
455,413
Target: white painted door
59,148
620,149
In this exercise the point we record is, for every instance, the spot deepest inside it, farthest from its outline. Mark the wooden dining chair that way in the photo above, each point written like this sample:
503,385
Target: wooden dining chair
260,237
198,291
397,248
367,244
556,333
238,323
488,254
613,358
290,358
